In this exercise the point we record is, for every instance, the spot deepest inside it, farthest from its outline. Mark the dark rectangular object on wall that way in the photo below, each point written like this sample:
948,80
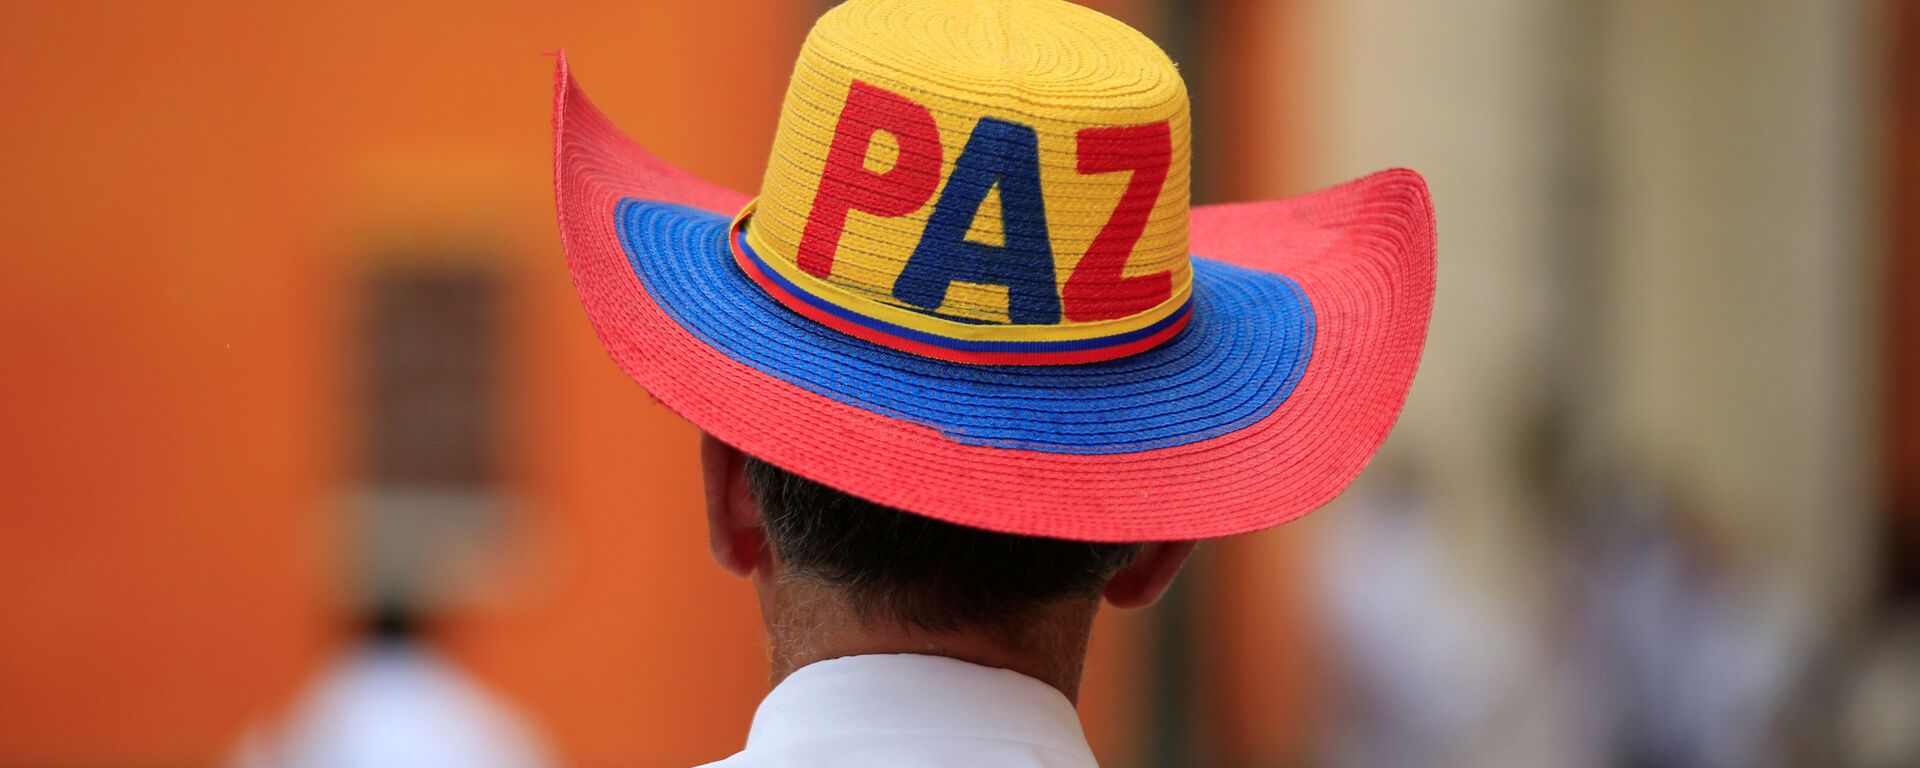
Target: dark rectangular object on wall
431,338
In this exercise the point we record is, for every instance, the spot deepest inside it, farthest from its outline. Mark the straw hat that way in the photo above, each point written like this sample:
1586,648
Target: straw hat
972,287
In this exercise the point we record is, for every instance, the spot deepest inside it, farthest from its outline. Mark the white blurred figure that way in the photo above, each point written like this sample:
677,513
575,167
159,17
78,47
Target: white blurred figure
1437,671
1699,661
431,529
394,703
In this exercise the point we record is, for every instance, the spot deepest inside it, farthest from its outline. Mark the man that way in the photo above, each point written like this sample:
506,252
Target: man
897,638
962,376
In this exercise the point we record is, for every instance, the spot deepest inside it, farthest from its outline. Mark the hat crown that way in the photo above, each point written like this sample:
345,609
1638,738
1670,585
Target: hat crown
1011,169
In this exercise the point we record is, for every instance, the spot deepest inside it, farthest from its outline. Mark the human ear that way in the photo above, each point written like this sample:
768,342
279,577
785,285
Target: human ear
1148,576
734,532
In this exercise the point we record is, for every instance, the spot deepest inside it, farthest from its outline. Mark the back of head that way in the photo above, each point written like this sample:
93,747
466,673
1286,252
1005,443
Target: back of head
919,573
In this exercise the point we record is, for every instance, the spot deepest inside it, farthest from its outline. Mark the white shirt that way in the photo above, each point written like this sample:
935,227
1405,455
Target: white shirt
909,711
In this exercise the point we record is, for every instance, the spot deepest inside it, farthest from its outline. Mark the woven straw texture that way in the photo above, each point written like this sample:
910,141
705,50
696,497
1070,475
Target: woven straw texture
1242,354
1361,255
1037,129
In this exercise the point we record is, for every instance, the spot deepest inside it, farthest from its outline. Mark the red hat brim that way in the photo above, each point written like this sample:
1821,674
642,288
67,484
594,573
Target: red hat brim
1363,253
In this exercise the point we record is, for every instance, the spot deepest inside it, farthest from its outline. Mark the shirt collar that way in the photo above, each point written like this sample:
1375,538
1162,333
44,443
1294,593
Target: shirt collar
909,693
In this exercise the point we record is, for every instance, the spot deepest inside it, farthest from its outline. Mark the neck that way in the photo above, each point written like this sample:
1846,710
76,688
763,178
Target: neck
807,622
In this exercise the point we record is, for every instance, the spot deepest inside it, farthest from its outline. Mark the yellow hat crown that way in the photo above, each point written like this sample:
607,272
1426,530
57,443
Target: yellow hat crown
1006,178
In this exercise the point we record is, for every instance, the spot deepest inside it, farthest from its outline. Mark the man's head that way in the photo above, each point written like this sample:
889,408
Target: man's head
908,572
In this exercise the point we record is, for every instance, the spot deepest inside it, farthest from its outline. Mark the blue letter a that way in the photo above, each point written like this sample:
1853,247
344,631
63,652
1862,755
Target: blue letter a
1007,154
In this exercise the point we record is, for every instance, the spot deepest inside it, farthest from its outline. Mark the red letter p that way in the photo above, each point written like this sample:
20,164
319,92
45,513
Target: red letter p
847,185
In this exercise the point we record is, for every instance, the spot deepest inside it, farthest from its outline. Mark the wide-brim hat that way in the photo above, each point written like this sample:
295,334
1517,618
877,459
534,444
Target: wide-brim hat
1259,392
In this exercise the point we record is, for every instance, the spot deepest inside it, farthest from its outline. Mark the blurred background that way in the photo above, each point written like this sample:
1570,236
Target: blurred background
309,455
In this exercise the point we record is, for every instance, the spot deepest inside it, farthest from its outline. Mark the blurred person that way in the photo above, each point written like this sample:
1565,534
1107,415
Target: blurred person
416,549
1699,662
1482,685
960,376
394,702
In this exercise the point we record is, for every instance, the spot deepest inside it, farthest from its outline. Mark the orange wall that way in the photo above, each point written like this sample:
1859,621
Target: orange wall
189,191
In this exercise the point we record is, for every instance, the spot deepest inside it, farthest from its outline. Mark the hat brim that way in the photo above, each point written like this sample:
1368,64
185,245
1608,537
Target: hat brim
1309,318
